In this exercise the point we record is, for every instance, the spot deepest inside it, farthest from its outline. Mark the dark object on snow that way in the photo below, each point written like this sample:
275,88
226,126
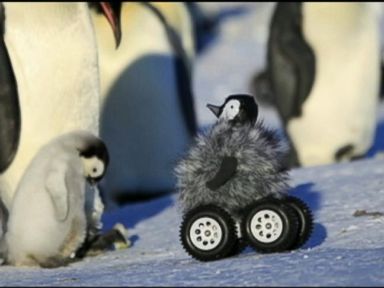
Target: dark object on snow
113,239
359,213
237,168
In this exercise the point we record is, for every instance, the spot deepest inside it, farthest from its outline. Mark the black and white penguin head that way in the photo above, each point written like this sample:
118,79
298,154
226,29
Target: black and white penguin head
237,109
95,160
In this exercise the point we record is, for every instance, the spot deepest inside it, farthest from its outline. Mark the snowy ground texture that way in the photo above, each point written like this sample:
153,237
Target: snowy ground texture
343,250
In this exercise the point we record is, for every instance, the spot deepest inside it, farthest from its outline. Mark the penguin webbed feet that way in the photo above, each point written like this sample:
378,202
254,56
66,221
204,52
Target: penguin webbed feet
114,239
56,261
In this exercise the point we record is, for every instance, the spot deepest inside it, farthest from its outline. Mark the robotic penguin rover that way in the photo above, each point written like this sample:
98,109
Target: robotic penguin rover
233,188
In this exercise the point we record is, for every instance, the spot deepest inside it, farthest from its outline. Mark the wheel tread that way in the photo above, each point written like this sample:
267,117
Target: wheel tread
308,221
209,210
277,205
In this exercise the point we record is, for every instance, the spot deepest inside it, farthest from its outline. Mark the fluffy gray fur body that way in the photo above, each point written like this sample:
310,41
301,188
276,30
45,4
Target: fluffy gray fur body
259,154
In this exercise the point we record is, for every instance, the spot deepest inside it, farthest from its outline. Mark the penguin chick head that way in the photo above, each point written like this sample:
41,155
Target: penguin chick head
95,160
237,109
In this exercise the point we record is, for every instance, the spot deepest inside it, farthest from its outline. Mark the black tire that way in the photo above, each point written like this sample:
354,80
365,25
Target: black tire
216,229
239,246
305,217
270,226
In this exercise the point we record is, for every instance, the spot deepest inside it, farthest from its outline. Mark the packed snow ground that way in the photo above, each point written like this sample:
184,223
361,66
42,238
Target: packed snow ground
344,250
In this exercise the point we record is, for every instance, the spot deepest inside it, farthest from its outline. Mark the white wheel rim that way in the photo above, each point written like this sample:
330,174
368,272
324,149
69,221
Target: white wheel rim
205,233
266,226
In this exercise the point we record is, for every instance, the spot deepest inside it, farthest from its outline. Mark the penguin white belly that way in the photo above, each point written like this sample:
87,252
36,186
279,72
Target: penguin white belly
53,52
141,119
341,107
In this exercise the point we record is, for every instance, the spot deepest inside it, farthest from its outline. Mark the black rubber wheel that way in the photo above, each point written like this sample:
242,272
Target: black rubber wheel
305,217
239,246
208,233
270,226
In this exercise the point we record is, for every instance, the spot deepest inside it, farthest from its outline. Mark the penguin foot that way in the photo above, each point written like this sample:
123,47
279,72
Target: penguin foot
114,239
55,262
121,241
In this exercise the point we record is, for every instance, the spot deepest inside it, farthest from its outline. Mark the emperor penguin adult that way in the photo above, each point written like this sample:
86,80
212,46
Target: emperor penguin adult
147,108
323,70
50,82
48,221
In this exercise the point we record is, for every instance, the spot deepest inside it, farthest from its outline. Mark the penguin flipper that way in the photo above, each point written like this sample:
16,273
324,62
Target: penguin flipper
57,188
226,171
291,61
261,87
10,119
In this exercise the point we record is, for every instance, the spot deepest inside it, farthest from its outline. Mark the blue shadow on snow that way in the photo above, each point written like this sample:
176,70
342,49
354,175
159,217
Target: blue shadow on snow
378,144
131,215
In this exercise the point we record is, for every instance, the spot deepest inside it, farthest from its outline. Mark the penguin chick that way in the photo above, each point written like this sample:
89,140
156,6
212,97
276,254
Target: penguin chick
237,162
48,221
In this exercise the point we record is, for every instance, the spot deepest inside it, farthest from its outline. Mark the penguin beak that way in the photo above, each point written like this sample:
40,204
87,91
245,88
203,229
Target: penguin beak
215,109
113,16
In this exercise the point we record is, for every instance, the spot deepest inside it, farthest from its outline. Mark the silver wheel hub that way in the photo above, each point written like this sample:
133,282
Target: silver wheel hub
205,233
266,226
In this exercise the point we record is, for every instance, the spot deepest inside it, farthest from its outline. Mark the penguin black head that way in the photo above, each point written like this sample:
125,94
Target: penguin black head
238,108
112,11
95,160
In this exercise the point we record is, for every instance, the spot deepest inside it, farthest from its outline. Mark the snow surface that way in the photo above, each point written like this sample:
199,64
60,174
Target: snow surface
343,250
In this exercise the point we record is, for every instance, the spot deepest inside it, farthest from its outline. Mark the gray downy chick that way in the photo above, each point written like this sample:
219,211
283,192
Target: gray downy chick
237,162
48,220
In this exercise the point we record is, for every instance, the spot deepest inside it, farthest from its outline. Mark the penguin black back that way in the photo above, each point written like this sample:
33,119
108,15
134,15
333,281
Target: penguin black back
291,68
289,52
291,63
10,119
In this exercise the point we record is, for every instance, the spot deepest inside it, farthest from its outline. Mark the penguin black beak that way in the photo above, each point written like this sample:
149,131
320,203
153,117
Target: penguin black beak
113,15
215,109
